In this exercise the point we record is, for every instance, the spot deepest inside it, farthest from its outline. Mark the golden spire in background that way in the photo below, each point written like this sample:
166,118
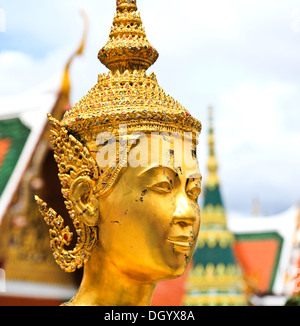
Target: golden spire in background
212,164
215,278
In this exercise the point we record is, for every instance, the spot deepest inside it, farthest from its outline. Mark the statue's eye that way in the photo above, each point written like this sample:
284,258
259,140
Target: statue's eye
194,190
161,187
194,193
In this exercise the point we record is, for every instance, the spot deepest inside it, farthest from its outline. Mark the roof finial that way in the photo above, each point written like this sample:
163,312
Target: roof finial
212,164
65,86
127,47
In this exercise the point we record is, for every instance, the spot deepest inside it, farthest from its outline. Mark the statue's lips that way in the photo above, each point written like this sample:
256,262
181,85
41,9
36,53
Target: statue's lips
182,243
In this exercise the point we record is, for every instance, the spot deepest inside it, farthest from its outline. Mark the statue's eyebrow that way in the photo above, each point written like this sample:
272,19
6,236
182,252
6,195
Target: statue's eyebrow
171,169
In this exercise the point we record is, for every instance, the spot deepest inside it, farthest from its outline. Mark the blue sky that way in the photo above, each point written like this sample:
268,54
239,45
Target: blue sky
241,57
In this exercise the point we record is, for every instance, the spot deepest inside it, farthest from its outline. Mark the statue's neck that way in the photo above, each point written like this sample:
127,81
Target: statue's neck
104,285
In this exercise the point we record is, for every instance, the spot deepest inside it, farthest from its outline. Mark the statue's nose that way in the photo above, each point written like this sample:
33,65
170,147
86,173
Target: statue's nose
184,214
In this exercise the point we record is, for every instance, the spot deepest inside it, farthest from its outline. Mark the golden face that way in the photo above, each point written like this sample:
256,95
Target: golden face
150,221
147,223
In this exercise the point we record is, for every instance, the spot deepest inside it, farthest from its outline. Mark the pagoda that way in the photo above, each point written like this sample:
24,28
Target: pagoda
215,278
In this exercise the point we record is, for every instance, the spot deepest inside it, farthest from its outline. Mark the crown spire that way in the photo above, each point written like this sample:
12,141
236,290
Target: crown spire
212,164
127,47
129,5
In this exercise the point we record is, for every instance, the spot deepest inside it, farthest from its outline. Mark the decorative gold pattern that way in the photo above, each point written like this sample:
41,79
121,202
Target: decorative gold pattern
216,300
221,278
213,215
73,160
213,237
131,98
210,276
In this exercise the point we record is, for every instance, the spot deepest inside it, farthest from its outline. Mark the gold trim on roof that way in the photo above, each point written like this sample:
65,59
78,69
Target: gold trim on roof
213,237
213,216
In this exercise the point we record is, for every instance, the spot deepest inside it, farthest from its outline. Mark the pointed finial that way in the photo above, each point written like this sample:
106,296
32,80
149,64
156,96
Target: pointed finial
211,139
129,5
212,164
127,47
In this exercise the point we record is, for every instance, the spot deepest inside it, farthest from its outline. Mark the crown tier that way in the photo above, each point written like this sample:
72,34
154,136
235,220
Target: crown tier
127,47
132,98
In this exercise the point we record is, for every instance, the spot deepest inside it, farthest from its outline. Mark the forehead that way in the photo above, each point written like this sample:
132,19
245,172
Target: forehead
165,145
174,151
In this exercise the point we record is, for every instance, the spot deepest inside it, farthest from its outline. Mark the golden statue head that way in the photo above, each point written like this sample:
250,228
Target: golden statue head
126,154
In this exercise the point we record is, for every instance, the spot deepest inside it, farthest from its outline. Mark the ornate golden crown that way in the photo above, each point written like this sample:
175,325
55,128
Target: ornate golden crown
125,95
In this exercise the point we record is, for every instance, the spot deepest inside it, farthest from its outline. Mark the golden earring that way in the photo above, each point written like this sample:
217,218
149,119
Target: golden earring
70,156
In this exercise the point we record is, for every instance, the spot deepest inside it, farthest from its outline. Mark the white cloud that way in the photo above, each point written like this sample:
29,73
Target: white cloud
254,111
179,27
2,21
258,154
20,72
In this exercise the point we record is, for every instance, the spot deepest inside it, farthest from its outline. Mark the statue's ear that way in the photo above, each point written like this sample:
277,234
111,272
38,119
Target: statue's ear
85,203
